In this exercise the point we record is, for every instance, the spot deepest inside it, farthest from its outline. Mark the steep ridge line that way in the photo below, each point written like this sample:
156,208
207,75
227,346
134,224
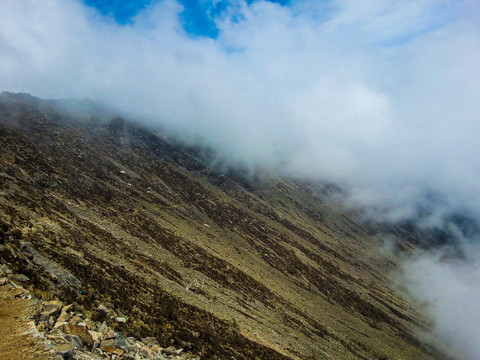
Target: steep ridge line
277,277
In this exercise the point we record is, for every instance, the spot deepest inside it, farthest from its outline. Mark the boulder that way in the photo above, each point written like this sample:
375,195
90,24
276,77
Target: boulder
64,350
103,328
110,346
75,320
4,270
51,308
120,340
96,335
172,351
146,353
59,324
75,341
121,319
110,335
80,331
106,310
64,315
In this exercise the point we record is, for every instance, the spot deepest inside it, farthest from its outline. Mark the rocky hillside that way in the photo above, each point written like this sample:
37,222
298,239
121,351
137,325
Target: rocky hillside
95,210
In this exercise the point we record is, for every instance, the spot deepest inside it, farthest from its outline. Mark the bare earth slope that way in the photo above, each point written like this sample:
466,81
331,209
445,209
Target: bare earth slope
102,210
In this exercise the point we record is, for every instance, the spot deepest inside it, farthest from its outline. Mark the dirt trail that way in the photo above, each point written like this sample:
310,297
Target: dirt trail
13,322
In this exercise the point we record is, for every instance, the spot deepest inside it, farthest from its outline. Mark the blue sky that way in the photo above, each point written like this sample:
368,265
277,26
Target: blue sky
196,17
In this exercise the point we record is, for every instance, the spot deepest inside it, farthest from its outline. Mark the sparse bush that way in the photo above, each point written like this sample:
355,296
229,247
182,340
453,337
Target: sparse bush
15,233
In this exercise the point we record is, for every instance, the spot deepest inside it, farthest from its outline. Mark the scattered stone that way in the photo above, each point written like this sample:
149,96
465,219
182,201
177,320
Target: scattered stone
4,270
103,328
146,353
131,340
75,320
56,338
110,335
23,279
105,308
156,348
64,315
80,331
172,351
75,341
90,324
59,324
15,286
64,350
95,335
108,345
51,308
121,341
73,336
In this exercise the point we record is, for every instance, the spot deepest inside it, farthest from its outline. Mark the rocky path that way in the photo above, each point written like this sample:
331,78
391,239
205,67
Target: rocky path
15,342
32,329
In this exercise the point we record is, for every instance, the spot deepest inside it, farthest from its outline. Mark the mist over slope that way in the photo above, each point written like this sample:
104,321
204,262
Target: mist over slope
380,98
95,210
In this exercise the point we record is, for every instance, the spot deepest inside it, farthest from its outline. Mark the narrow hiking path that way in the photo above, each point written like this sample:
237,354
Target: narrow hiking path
14,322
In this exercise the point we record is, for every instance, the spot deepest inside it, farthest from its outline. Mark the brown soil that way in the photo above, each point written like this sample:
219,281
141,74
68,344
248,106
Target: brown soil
14,319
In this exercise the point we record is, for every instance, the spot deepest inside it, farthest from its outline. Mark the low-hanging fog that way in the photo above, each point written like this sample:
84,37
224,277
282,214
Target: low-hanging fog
379,96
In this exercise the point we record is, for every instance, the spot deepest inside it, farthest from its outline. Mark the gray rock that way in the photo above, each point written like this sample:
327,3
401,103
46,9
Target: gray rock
50,309
103,328
172,351
108,345
64,350
4,270
120,340
23,279
106,309
110,335
131,340
75,341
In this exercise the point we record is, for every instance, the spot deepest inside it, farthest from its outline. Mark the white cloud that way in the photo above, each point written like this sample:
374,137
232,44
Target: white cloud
380,96
450,289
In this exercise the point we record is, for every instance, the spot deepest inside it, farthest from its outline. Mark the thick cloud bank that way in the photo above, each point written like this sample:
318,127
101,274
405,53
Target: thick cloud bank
379,96
451,290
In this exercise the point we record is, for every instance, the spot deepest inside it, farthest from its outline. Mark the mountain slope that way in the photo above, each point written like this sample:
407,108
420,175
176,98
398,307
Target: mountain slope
99,209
